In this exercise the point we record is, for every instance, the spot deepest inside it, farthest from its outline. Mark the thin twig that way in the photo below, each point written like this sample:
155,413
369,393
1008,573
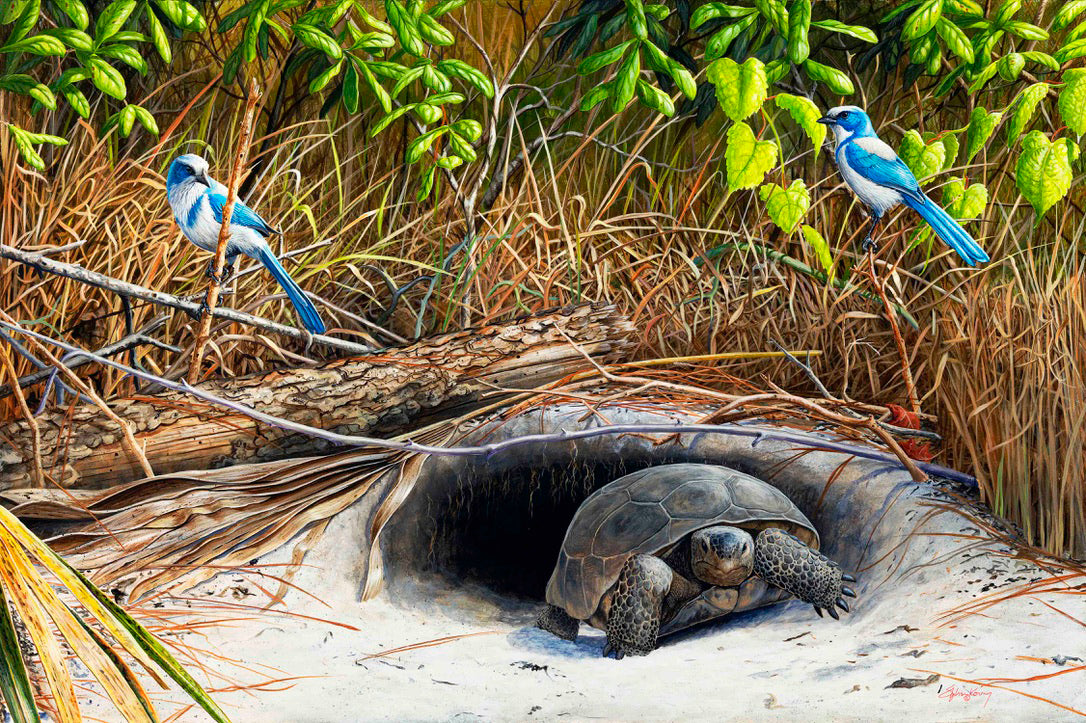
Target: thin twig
75,272
902,352
212,298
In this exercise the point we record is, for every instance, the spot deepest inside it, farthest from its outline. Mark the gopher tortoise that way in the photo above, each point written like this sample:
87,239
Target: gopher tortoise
671,546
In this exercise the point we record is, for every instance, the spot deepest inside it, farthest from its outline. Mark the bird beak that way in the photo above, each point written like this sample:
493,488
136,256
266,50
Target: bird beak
827,121
204,179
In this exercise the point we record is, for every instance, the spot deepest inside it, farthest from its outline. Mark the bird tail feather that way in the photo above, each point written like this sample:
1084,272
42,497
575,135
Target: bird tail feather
952,234
311,320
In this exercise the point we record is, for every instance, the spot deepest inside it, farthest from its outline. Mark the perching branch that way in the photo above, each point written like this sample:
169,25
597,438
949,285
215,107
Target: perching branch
739,430
40,261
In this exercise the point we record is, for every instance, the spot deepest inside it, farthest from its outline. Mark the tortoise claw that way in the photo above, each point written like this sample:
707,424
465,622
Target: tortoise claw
848,578
848,591
843,605
833,613
610,650
818,610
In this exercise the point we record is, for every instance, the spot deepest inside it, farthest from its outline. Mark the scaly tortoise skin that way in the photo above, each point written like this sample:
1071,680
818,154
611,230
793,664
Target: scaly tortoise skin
625,567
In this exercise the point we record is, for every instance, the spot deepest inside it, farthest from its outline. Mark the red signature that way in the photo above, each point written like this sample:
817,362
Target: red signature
964,694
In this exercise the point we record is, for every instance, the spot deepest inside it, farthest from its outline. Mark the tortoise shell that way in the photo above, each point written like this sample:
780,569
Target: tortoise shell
653,509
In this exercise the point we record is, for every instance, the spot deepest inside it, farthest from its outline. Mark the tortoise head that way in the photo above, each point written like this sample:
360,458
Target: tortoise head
722,555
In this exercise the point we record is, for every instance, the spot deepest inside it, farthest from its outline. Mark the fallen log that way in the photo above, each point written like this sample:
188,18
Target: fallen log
434,378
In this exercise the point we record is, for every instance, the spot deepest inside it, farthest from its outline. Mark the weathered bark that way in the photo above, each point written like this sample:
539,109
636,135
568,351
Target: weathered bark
381,393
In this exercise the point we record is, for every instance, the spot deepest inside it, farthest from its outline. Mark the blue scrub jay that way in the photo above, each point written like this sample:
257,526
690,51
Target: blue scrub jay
874,173
198,200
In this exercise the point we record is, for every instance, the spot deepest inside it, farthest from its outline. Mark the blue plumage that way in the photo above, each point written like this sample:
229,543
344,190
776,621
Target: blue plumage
198,200
881,180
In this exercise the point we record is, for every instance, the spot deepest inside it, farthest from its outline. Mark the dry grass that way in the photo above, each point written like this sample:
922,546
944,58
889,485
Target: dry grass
997,356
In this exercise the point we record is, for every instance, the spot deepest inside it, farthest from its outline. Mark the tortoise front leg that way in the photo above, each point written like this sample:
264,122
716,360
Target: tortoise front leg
555,620
638,601
782,560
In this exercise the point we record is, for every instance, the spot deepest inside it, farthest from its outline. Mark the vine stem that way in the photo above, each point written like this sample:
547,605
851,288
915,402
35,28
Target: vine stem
902,352
212,298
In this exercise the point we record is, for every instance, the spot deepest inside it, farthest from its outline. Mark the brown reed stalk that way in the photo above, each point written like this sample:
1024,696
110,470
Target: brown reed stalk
212,299
891,316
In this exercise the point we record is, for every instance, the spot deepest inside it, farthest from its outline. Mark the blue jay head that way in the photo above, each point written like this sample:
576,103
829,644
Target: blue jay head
847,120
188,168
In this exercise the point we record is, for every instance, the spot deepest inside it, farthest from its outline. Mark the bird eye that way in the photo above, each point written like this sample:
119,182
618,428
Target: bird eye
844,114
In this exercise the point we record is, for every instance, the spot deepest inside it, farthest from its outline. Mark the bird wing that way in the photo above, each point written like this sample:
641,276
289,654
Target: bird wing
242,215
876,161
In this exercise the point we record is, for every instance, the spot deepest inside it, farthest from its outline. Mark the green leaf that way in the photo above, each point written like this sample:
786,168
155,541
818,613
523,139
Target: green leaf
786,206
113,19
635,18
36,45
420,145
444,7
1072,101
1036,56
595,96
714,10
1026,31
1068,13
1024,109
775,13
1043,173
856,31
449,162
390,118
923,159
625,83
24,22
75,10
77,101
321,81
952,146
183,15
428,114
718,45
923,19
983,77
1010,66
159,37
746,158
126,54
821,248
106,78
435,80
468,128
71,37
374,41
964,203
799,23
350,89
834,79
314,37
376,88
146,119
655,98
740,89
404,25
981,126
806,114
472,76
777,69
955,39
408,77
376,24
387,69
434,32
603,58
461,147
1072,50
1006,11
426,184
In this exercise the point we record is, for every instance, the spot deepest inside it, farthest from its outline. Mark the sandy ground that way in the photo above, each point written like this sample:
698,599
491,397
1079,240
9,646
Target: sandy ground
779,663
